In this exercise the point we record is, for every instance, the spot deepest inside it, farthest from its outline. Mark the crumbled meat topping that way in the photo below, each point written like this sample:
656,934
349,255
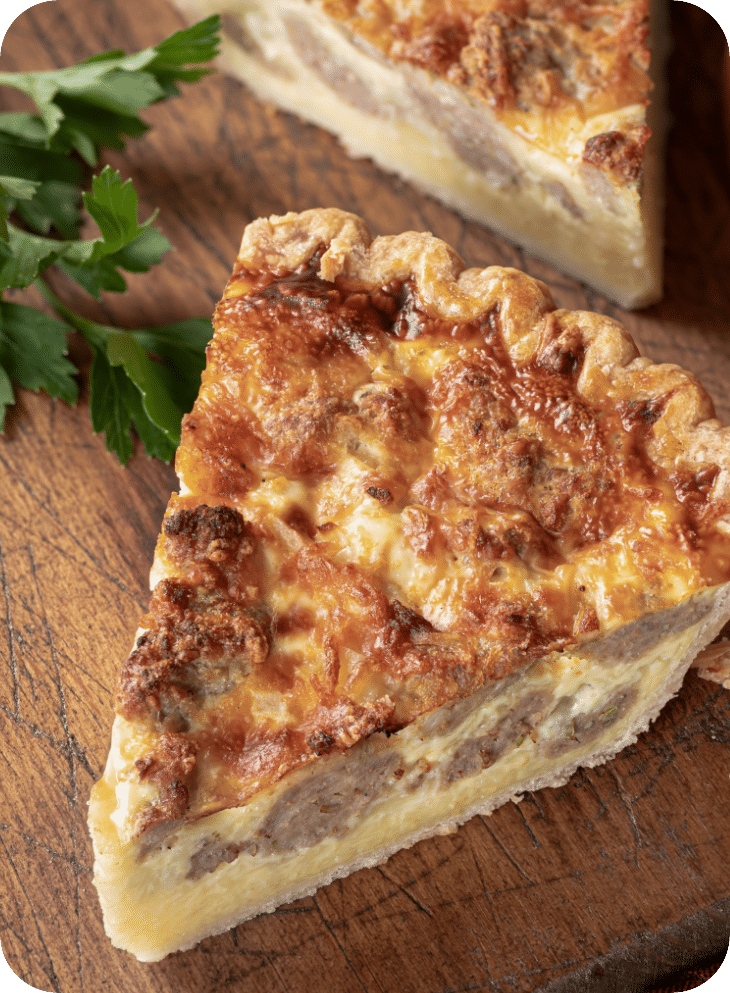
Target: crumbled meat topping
170,765
198,642
618,153
438,46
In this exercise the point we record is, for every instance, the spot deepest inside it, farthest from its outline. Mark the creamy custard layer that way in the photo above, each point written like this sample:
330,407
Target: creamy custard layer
468,757
541,195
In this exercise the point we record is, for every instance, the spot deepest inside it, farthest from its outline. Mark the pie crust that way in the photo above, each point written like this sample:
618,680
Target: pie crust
437,543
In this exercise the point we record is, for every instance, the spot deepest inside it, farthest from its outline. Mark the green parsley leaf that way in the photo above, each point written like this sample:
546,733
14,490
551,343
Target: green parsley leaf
111,413
55,205
23,125
12,190
116,83
128,385
86,128
157,443
151,380
198,43
181,346
113,205
7,397
29,255
20,189
57,180
93,263
33,354
146,378
25,161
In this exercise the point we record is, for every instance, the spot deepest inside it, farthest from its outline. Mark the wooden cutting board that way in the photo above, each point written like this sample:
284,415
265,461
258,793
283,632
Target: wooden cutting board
606,884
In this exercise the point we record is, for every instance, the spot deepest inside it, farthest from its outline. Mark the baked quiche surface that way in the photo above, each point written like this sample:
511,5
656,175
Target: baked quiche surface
437,542
542,119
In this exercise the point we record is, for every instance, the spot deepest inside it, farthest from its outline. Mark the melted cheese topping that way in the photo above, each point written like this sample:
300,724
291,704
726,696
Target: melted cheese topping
383,509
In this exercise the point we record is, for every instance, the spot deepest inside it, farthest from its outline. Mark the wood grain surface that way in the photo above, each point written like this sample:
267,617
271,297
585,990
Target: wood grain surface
606,884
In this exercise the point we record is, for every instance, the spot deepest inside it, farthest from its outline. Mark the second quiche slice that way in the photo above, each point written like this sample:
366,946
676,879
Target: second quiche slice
542,119
436,543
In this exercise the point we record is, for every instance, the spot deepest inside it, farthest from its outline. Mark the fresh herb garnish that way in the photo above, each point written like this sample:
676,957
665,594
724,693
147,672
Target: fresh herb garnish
146,377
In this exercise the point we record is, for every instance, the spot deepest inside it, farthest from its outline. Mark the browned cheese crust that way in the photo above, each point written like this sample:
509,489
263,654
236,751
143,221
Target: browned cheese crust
544,65
401,480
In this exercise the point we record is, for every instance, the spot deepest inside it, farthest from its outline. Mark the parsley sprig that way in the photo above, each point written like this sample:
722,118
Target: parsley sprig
146,377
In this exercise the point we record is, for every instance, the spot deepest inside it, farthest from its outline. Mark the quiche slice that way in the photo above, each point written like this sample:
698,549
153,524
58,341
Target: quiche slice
542,119
436,543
